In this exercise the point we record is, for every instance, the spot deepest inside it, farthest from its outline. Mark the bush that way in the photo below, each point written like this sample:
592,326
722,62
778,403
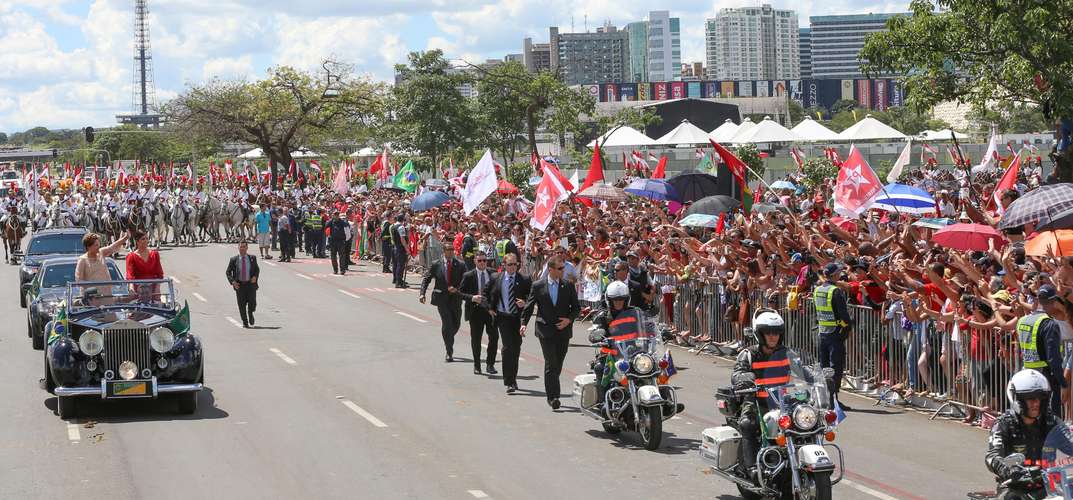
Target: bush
818,171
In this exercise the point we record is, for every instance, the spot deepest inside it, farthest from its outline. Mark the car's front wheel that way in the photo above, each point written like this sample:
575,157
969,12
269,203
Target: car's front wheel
187,403
37,338
22,298
65,407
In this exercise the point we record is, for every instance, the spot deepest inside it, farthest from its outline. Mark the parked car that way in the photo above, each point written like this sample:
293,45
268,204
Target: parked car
46,291
122,340
45,244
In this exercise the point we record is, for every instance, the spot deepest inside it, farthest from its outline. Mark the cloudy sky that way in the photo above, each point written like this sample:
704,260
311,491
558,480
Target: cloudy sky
68,63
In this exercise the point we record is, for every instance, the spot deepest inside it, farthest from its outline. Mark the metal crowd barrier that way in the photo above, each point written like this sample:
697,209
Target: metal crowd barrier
923,364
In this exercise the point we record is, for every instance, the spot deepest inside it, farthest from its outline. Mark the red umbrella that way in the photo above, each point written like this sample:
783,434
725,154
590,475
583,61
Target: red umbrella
506,188
847,225
968,237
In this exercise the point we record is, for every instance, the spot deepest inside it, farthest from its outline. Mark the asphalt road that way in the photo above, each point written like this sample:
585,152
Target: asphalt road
341,392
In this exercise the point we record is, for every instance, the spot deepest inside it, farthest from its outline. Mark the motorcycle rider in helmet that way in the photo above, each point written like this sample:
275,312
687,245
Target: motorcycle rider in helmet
763,365
617,300
1024,427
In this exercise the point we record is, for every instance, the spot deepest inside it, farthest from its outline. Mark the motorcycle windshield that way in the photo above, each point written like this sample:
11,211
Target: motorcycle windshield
794,379
1057,462
630,335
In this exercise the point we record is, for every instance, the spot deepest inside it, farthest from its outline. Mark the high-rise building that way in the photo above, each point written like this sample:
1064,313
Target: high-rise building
536,56
638,34
837,41
752,43
655,48
693,71
514,57
804,48
582,58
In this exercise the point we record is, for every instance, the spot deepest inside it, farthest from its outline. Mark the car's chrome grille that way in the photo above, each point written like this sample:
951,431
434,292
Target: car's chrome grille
126,344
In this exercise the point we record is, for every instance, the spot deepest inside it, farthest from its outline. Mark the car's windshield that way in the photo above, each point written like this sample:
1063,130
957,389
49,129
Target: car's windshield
57,275
66,243
631,334
152,293
806,380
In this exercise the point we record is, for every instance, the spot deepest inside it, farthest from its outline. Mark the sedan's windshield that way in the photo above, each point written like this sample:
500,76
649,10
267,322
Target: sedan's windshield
57,275
56,243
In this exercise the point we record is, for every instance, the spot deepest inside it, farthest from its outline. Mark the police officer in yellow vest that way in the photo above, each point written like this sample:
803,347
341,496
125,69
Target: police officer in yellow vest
763,366
315,223
1040,343
386,249
832,317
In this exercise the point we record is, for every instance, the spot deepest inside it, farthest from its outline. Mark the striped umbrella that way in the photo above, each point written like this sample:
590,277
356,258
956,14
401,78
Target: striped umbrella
1038,206
905,199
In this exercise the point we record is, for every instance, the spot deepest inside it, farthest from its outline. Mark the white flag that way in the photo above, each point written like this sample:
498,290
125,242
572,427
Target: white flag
340,184
574,182
989,155
900,163
480,184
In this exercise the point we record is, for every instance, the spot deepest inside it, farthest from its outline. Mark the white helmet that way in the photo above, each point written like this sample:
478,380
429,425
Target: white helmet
617,290
1028,384
768,321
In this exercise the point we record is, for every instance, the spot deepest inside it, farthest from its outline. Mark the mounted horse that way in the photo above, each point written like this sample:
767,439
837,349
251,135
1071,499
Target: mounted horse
13,232
184,222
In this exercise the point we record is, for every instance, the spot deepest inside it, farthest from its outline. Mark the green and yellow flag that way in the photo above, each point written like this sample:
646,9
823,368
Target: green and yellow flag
180,325
407,179
59,324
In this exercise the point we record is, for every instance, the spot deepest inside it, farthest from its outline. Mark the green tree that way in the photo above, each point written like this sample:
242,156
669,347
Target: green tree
1009,117
281,113
567,108
797,112
981,53
844,119
842,105
908,120
3,138
749,154
818,171
633,117
501,109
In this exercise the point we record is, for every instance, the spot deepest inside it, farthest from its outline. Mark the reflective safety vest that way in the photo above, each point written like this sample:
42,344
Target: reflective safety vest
501,248
385,231
1027,333
314,222
773,372
825,311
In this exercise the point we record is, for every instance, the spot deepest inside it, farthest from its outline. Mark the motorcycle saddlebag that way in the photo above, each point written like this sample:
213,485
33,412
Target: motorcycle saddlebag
727,402
585,390
719,447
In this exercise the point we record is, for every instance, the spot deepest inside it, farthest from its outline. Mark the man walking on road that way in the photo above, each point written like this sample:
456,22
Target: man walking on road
558,307
447,272
337,229
264,231
286,237
242,272
399,240
506,291
478,315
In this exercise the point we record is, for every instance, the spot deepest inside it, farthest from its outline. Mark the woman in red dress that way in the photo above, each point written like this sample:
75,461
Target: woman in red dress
144,264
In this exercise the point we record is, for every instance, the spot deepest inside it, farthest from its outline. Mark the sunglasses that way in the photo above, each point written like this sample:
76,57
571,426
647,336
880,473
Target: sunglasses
510,264
560,268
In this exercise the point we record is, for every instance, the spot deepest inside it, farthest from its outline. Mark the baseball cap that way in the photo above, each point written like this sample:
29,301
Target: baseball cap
831,269
1047,292
795,258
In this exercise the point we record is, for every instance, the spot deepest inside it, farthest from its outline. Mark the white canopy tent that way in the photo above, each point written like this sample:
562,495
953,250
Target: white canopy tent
685,134
812,131
364,152
941,135
299,153
870,129
724,132
766,132
745,125
622,137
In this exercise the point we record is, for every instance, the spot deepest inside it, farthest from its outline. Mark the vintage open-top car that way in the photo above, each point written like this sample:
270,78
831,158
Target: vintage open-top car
122,340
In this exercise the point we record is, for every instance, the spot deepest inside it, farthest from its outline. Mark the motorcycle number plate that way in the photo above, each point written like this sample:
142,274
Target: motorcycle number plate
120,389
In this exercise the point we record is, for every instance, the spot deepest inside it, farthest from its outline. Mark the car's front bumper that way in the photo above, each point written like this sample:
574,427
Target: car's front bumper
101,391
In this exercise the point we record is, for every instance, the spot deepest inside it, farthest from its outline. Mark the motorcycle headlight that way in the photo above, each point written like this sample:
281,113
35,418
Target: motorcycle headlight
91,342
161,340
643,364
806,417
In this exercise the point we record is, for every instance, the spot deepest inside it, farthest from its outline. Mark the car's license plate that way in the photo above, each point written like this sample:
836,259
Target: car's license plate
128,389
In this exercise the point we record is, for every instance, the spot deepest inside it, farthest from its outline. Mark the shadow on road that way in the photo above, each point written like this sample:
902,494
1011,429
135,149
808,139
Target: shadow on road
143,410
671,445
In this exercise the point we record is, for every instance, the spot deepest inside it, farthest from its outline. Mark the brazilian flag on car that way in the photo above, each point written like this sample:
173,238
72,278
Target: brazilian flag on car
180,325
59,323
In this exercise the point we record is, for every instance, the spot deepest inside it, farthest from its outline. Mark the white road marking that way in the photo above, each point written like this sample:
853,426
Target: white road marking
364,414
273,264
72,432
199,297
286,359
415,318
234,322
477,493
300,275
176,280
375,289
866,490
348,294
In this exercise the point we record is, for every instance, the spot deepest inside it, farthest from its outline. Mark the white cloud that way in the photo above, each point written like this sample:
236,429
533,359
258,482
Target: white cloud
228,68
368,43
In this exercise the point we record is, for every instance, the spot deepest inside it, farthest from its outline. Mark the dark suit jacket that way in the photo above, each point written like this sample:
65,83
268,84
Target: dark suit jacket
492,290
469,289
232,269
548,314
438,272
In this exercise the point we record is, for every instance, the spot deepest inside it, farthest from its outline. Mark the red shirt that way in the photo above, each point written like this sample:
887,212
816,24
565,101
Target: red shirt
138,269
860,289
934,295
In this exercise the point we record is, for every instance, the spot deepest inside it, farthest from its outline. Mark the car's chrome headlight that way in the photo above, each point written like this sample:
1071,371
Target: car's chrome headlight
806,417
128,370
91,342
161,340
643,364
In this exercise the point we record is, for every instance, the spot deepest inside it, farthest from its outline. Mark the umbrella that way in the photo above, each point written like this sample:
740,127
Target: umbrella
846,224
1062,219
1057,243
507,188
1040,205
968,237
604,192
429,200
770,207
693,185
933,222
783,185
699,220
905,199
713,205
653,189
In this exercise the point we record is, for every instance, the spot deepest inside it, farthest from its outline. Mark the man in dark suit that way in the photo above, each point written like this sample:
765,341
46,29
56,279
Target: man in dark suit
242,273
447,272
557,305
507,292
480,319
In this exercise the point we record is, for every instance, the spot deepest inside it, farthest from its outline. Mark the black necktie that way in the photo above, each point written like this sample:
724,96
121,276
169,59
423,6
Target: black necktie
510,283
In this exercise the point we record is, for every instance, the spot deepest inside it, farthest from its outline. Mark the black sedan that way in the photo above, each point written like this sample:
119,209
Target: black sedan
45,244
46,291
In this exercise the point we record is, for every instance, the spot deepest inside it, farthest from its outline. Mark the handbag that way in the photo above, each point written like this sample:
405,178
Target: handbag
793,298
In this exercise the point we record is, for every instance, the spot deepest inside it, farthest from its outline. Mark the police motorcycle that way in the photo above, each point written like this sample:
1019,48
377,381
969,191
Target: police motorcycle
1050,478
796,431
632,377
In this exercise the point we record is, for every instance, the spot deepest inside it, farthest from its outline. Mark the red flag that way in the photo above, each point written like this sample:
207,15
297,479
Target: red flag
563,181
797,159
857,186
722,224
1008,181
736,166
661,168
596,173
756,196
548,194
